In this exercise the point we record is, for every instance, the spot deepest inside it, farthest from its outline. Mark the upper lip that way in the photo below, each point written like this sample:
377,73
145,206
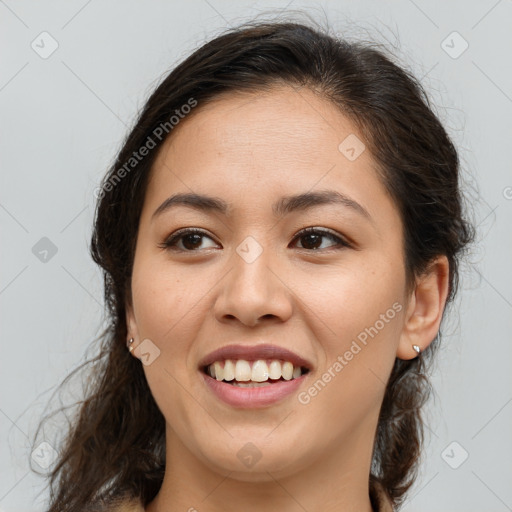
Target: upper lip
253,353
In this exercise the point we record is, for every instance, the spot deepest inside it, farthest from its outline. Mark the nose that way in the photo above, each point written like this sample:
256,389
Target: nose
253,293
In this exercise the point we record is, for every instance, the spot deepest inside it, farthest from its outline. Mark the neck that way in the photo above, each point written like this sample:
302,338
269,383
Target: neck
337,480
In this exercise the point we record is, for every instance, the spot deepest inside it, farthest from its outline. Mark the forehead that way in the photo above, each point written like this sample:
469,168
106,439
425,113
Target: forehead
261,144
297,121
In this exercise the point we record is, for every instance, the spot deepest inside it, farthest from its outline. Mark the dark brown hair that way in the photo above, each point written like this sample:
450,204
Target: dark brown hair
116,443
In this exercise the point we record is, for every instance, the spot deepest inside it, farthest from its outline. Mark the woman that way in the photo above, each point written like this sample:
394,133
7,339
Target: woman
279,236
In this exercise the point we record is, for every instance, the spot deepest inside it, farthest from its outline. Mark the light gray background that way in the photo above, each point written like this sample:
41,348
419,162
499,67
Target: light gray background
63,118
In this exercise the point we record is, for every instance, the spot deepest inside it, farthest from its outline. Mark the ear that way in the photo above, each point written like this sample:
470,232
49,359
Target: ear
425,309
131,324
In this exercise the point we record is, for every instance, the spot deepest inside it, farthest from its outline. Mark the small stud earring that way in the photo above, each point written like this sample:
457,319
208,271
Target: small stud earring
128,344
416,349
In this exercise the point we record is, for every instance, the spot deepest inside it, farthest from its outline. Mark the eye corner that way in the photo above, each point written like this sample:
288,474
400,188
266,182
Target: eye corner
341,241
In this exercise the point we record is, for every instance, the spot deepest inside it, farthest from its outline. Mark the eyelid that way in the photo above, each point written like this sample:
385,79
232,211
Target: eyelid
173,237
342,241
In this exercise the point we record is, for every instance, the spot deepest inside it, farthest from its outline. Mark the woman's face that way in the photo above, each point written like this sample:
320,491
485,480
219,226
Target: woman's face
335,296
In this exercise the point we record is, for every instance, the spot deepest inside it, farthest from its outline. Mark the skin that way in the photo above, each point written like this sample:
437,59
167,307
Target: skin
249,150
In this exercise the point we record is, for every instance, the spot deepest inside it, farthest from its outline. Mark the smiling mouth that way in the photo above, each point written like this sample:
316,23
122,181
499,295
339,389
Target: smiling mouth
250,383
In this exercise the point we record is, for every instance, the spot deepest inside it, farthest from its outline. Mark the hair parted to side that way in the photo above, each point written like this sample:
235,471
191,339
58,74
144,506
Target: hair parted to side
116,445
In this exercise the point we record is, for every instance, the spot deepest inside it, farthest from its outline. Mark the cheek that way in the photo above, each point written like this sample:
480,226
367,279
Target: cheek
352,297
358,319
166,302
167,309
356,314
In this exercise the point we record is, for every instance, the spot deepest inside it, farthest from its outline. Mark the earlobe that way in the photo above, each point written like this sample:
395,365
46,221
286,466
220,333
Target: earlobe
425,309
131,328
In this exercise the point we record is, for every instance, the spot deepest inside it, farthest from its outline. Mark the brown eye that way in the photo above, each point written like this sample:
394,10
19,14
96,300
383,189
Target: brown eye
188,240
314,239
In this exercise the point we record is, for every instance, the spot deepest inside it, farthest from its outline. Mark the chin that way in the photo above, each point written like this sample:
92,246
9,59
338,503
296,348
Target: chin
247,462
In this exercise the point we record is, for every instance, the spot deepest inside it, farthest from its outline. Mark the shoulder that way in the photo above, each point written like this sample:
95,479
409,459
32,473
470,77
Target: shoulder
135,505
385,502
131,506
124,505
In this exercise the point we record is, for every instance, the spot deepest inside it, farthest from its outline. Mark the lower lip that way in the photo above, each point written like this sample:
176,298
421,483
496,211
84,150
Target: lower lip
249,398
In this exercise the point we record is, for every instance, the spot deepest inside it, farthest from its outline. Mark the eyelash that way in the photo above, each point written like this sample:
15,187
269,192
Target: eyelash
341,243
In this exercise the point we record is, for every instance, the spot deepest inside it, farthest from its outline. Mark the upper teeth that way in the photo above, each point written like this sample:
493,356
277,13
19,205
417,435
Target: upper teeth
260,371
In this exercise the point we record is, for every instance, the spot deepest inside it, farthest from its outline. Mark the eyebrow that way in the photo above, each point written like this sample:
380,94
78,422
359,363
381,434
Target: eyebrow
283,206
